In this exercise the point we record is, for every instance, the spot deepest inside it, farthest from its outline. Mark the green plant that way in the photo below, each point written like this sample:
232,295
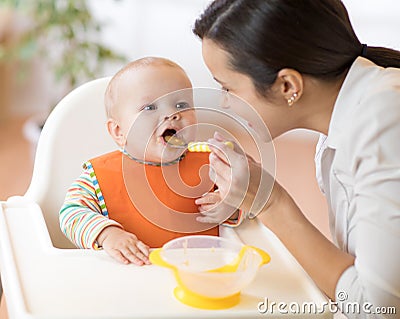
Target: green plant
65,33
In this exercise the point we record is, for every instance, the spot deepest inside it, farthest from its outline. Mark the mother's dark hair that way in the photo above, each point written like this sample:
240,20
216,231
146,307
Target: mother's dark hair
314,37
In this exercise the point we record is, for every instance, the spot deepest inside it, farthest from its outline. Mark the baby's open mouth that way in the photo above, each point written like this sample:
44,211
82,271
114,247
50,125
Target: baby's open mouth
171,139
168,134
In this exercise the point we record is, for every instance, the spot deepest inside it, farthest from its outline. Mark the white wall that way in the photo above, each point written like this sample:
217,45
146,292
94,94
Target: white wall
158,28
377,23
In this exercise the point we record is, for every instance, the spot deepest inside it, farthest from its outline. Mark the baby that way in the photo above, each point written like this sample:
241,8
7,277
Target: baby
109,206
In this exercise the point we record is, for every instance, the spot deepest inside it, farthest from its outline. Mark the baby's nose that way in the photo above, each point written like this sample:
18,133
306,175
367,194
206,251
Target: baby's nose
175,116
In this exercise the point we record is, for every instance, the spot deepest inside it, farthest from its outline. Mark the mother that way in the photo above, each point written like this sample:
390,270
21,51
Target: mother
301,65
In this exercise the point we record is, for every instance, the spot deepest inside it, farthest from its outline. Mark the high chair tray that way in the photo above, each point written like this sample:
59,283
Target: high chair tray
41,281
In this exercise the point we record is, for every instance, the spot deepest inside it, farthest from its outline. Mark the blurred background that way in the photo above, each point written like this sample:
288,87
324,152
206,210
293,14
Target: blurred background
48,47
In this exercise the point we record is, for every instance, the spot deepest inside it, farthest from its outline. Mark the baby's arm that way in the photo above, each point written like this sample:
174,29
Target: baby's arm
81,218
83,223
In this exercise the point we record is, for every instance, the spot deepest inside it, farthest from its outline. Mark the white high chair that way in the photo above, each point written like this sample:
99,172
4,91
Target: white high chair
44,279
74,132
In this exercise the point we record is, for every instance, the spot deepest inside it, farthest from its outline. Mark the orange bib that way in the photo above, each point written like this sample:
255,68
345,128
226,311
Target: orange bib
109,174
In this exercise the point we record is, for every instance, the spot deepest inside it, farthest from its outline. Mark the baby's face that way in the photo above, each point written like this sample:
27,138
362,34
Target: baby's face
149,113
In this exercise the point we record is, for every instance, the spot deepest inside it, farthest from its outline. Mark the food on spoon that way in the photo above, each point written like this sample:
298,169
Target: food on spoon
173,140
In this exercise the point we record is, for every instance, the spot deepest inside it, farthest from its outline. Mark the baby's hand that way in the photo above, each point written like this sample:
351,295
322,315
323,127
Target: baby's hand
123,246
213,209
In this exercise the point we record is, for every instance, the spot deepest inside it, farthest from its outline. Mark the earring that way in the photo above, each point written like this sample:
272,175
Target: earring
292,99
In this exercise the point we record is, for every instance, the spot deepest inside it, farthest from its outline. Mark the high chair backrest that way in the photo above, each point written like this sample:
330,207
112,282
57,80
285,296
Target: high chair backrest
74,132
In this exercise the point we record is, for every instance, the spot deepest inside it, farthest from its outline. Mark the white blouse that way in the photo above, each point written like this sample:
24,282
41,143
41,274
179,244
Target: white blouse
358,170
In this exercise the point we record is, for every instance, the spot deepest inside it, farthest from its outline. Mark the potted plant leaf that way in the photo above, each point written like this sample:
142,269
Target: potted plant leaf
63,33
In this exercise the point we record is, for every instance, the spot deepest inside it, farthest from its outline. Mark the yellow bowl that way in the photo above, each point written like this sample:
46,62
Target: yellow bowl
210,271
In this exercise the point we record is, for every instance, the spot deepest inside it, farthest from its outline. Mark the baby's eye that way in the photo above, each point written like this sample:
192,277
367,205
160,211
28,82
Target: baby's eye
182,105
150,107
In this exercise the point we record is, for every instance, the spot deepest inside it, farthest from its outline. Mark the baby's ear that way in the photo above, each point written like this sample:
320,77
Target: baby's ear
116,132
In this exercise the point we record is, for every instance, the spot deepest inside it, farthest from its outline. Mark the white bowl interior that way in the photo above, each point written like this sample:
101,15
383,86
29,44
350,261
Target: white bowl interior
196,256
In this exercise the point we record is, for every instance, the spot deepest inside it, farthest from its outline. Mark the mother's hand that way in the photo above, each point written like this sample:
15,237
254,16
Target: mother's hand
242,182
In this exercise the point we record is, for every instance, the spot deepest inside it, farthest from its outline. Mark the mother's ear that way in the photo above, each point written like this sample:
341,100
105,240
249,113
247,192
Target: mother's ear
290,85
116,132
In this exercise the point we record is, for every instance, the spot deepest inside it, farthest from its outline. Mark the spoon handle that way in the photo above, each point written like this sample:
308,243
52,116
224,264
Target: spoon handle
203,147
